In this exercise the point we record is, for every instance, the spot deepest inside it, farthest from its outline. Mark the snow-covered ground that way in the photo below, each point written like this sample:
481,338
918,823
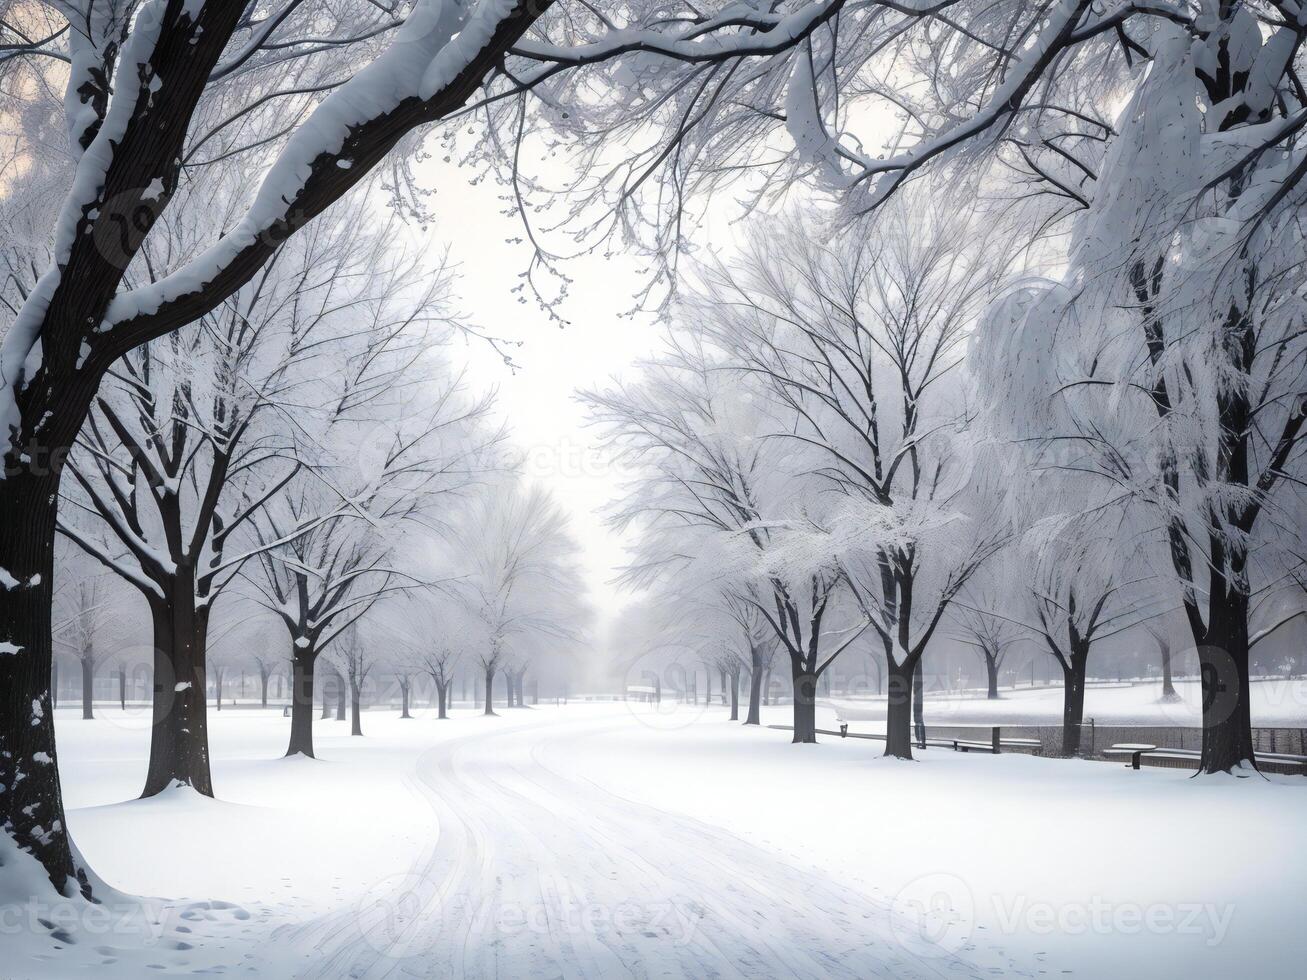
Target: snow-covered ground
607,840
1275,703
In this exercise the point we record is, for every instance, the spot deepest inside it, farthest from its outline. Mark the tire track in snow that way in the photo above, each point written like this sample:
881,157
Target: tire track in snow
541,873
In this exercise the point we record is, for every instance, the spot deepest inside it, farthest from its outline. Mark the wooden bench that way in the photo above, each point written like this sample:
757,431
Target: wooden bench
1133,750
1283,757
1138,752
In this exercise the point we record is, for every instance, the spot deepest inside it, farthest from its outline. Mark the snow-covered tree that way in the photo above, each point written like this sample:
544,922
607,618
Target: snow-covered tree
195,433
985,621
720,502
403,439
513,562
83,625
1080,596
861,338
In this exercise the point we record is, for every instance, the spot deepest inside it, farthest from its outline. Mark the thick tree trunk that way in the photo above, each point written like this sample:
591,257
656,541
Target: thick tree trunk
490,691
1168,685
735,696
88,688
754,716
340,696
263,689
991,668
31,806
403,692
356,722
303,662
805,705
179,737
1227,704
898,711
1073,702
442,698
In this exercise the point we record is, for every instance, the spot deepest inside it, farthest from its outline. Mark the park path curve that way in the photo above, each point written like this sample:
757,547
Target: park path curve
537,872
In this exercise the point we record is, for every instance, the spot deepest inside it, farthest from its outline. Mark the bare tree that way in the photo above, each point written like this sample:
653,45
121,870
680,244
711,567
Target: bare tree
78,634
861,338
440,665
983,627
717,503
515,561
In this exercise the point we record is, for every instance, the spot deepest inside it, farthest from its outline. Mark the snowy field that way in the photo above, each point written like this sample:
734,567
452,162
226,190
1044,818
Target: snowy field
611,840
1275,704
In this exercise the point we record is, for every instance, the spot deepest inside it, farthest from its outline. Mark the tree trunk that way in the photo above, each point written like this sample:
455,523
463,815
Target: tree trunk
122,687
991,668
707,686
403,692
217,688
303,662
326,704
356,723
263,688
340,696
1168,685
766,687
490,691
919,703
755,687
179,737
442,697
735,695
1073,702
805,705
1227,707
31,807
898,710
88,683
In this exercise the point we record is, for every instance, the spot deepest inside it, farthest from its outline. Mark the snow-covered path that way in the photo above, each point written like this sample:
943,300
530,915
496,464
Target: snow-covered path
613,840
540,872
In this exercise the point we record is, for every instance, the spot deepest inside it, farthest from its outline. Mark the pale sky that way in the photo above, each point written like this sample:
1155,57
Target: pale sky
538,399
